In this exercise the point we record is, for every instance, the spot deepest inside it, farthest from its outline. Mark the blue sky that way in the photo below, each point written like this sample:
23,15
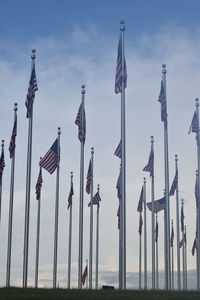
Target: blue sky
76,43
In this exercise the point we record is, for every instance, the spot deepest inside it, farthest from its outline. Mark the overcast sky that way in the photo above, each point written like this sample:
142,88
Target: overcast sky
76,43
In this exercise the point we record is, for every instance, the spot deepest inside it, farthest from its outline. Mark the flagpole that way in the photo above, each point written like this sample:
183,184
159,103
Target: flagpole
91,222
37,239
97,243
140,254
197,264
172,255
153,222
157,280
28,189
12,176
183,253
164,71
2,147
185,258
145,237
70,240
80,256
177,228
56,213
165,243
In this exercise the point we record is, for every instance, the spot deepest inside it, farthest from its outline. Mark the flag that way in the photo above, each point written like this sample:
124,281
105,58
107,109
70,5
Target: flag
118,215
51,159
89,178
194,127
95,200
158,205
13,137
39,185
118,186
194,247
156,232
141,200
140,225
172,237
197,192
118,151
150,165
81,123
2,165
120,71
174,184
162,100
182,219
84,276
31,93
71,193
183,240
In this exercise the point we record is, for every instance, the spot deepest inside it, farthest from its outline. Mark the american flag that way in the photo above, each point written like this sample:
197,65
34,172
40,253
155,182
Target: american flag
182,219
174,184
183,240
162,100
31,93
89,178
39,185
197,192
84,276
51,159
118,215
118,186
156,232
118,151
141,200
95,200
71,193
194,127
121,73
81,123
194,246
158,205
140,225
2,165
150,165
13,137
172,237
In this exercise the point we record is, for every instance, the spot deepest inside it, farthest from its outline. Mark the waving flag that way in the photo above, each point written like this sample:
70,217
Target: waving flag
141,200
51,159
194,246
89,178
194,127
162,100
174,184
140,225
71,193
182,219
13,137
95,200
150,165
31,93
183,240
158,205
39,185
118,151
121,73
84,276
81,123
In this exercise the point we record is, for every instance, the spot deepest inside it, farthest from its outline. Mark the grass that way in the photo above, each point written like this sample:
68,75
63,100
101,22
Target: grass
58,294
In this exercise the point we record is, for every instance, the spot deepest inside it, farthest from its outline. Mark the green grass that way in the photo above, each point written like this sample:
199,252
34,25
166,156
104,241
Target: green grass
44,294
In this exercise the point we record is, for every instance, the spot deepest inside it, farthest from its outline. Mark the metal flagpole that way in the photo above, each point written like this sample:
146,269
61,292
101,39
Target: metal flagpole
86,276
123,165
28,189
2,147
37,239
145,237
97,243
177,228
11,210
197,264
183,253
165,243
168,282
140,254
56,213
157,280
80,256
70,240
91,221
153,222
172,255
185,258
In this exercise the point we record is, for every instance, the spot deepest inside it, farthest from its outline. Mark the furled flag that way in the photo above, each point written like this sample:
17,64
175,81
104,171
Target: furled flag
81,123
150,165
118,215
197,192
194,127
89,178
118,186
183,240
121,73
2,165
51,159
31,93
182,219
71,193
174,184
39,185
95,200
158,205
172,237
141,200
84,276
162,100
118,151
156,232
13,137
194,246
140,225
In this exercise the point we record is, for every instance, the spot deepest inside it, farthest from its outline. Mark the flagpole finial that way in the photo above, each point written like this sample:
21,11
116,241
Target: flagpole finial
144,179
197,102
59,131
83,89
196,172
122,27
176,157
172,222
15,106
2,145
152,139
164,71
71,174
92,150
98,187
33,54
182,201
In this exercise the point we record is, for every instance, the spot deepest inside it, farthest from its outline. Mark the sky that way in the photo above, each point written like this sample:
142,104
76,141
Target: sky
76,43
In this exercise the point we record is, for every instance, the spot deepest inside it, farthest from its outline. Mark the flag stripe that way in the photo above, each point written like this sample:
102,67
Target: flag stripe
158,205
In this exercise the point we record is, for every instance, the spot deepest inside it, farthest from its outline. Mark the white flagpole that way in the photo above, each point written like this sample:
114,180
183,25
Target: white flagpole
91,222
70,240
157,279
177,229
153,222
37,240
168,263
56,213
28,190
80,255
97,243
185,258
2,146
12,178
145,237
172,260
140,254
